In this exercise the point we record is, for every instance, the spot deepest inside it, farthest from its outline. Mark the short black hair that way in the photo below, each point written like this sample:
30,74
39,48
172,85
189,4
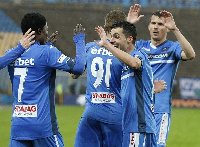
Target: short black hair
157,13
128,29
34,21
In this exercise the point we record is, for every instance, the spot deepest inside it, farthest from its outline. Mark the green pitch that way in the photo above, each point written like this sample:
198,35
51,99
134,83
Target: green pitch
184,132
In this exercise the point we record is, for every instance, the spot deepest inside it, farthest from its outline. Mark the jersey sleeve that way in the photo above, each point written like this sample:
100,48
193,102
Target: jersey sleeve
56,59
178,50
139,55
80,59
11,55
139,44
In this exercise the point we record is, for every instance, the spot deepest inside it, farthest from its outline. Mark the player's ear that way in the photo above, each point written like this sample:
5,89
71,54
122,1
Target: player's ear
130,39
39,31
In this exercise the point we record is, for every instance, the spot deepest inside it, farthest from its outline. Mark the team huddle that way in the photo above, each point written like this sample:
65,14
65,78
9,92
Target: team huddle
129,82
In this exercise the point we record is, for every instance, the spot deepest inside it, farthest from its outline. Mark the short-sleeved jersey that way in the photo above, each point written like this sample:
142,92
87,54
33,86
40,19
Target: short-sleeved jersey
164,60
137,97
11,56
103,100
33,83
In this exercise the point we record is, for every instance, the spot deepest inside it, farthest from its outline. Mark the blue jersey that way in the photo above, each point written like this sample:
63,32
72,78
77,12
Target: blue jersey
137,97
164,60
11,56
103,100
33,83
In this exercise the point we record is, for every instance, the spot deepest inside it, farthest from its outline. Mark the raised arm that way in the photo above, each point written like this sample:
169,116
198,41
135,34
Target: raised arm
53,37
12,54
124,57
80,59
133,14
188,51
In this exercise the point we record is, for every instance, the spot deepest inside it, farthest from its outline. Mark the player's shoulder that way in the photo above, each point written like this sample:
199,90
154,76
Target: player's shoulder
90,44
172,45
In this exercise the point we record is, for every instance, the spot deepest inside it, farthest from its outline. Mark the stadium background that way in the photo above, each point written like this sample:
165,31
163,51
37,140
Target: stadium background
63,15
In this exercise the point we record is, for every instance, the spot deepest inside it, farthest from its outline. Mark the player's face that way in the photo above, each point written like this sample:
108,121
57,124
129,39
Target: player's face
118,39
44,34
157,29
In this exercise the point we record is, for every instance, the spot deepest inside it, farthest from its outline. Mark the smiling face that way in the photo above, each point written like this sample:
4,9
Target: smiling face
157,29
118,38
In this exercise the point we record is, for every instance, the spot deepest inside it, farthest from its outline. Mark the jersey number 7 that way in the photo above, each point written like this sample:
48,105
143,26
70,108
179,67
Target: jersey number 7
22,72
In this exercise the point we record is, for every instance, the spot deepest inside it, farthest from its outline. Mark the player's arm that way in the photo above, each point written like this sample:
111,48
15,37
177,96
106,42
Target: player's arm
80,59
188,51
124,57
25,42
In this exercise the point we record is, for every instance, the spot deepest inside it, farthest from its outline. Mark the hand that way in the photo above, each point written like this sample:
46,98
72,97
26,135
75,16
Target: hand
100,31
79,29
26,40
75,76
159,85
53,38
133,13
169,20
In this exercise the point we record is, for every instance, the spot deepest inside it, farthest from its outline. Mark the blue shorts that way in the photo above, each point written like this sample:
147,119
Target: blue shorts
139,140
93,133
162,128
53,141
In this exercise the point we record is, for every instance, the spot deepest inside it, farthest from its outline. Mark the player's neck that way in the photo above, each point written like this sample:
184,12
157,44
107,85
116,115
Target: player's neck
157,42
130,48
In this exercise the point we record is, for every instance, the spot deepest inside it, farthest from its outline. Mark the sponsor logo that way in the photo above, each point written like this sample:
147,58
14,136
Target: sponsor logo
61,58
165,49
103,97
101,51
25,111
157,56
20,61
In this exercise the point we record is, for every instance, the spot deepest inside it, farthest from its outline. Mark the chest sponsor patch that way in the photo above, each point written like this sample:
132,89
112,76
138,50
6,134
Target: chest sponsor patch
25,111
103,97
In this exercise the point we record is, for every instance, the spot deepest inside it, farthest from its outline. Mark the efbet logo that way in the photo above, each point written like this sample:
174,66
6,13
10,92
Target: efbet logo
26,62
101,51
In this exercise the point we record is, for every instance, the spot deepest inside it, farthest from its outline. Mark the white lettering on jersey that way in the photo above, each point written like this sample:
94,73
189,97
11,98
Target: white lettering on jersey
25,111
61,58
158,56
147,49
103,97
20,62
101,51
